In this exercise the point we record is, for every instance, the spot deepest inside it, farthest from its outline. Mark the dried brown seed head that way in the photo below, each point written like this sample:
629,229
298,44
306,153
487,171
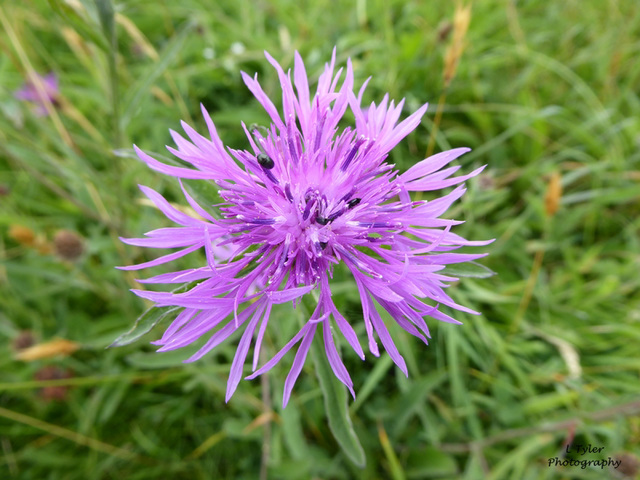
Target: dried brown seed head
68,245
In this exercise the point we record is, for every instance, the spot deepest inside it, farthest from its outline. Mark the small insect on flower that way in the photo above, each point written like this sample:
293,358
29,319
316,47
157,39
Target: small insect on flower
353,202
265,161
304,197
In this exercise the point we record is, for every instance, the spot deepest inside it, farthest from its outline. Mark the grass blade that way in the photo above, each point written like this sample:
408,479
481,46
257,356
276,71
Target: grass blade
143,85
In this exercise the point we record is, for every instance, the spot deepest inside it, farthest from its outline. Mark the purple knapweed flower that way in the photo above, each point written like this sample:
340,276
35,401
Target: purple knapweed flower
29,93
308,195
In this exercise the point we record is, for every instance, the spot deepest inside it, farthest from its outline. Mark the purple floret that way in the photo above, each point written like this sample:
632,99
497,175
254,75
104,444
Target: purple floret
29,93
306,196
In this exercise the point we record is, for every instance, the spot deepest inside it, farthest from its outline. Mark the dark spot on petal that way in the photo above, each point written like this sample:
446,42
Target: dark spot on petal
322,220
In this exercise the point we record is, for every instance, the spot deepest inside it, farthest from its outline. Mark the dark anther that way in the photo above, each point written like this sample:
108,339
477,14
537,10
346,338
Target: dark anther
265,161
353,202
324,244
334,215
322,220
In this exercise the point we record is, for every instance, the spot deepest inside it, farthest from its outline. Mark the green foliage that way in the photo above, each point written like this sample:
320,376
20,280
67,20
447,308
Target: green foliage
542,87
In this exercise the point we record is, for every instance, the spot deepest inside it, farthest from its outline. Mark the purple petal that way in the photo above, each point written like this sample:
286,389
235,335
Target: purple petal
166,208
335,361
160,260
432,164
221,335
387,341
235,375
173,171
267,104
278,356
263,326
367,308
284,296
298,362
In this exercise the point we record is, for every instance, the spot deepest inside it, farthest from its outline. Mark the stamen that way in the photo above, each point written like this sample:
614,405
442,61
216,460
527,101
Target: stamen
262,221
292,148
270,176
308,208
335,215
385,225
319,127
278,190
322,220
309,194
351,154
256,221
347,196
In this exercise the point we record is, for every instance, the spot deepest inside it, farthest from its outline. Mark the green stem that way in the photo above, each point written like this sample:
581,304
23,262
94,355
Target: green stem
107,20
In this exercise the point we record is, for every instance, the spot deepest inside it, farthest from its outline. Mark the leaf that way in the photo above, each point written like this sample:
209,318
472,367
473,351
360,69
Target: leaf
143,86
131,153
549,401
414,399
335,404
374,378
429,462
106,15
468,269
161,360
144,324
79,24
396,470
520,456
293,433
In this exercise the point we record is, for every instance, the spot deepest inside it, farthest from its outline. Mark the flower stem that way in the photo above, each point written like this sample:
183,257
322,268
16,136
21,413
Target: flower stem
266,434
108,23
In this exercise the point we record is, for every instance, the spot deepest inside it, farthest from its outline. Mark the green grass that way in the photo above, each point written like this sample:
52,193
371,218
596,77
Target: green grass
542,87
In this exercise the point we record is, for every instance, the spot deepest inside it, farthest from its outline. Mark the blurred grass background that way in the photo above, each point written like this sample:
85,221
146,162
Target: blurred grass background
546,94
